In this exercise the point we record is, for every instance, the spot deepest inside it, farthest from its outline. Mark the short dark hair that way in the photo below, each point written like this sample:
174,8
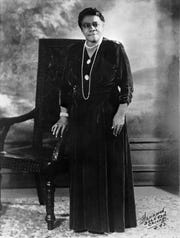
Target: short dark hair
89,12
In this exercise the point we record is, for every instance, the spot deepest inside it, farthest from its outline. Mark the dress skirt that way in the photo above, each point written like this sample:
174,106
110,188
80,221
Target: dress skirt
101,180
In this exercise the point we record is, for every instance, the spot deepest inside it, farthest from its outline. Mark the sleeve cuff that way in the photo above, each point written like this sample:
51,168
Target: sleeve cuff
126,95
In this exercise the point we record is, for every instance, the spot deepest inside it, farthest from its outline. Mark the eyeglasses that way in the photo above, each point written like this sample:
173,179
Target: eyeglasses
88,25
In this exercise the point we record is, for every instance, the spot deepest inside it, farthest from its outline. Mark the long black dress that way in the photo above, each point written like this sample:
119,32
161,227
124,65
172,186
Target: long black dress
101,182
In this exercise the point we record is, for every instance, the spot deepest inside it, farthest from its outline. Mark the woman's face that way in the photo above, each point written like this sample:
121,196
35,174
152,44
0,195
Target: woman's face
92,28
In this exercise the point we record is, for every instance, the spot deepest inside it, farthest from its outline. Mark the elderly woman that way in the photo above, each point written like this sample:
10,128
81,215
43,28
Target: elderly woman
95,92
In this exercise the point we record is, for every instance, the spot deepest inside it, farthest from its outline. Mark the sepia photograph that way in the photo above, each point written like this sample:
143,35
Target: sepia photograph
89,118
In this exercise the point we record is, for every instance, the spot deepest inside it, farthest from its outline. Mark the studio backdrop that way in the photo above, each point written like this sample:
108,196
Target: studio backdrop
149,31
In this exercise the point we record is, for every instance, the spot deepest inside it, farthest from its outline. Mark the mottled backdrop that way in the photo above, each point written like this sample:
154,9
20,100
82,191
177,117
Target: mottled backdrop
147,28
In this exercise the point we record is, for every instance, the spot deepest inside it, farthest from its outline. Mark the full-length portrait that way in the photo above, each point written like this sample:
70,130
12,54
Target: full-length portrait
89,118
95,92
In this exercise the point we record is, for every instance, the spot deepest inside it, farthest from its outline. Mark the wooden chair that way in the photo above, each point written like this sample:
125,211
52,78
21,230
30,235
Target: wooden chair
39,158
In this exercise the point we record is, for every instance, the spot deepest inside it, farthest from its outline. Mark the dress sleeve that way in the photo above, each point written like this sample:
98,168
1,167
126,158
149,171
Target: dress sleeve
65,89
124,76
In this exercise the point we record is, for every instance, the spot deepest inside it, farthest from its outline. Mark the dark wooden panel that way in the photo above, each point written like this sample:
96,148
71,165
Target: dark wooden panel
143,176
152,160
148,178
26,180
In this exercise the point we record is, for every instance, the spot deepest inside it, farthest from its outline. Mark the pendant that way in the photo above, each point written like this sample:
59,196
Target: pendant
88,61
86,77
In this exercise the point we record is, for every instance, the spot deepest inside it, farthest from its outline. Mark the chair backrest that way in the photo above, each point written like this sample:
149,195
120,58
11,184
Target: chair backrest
52,54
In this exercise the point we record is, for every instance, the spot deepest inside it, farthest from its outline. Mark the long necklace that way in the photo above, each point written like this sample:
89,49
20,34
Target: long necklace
87,77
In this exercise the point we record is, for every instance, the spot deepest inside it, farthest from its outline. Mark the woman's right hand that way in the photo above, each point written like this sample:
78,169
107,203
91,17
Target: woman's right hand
60,126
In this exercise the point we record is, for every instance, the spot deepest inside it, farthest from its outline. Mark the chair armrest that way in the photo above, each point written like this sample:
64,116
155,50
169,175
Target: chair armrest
7,122
12,120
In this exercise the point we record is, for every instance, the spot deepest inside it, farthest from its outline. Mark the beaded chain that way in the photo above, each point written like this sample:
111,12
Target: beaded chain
89,78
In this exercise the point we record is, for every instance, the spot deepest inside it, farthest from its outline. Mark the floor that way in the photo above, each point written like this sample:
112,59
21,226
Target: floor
21,205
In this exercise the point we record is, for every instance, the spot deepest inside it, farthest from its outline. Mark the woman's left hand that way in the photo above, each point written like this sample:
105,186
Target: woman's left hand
118,122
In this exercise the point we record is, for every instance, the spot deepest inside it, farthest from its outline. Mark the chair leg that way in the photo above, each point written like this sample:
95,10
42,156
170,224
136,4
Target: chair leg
50,217
40,186
0,191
